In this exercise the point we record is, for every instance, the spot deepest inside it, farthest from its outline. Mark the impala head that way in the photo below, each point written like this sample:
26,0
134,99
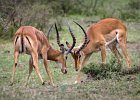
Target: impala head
77,52
64,52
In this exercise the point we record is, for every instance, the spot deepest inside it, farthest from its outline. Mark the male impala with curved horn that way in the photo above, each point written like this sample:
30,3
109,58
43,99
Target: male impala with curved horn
106,32
31,41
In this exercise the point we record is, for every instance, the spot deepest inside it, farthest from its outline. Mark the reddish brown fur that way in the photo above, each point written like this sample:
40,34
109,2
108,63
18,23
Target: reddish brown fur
99,34
36,44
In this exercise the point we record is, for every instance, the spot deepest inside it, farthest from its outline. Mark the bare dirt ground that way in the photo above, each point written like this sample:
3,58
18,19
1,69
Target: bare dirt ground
133,46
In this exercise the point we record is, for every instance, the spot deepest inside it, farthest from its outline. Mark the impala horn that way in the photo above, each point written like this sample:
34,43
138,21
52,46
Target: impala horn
61,45
58,39
85,40
49,31
73,37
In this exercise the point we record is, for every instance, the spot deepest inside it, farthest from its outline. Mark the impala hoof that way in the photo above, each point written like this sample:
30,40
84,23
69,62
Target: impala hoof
50,83
76,69
78,81
75,82
11,84
43,83
64,71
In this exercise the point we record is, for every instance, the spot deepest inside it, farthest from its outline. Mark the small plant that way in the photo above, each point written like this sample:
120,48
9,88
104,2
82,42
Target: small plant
98,71
110,70
134,4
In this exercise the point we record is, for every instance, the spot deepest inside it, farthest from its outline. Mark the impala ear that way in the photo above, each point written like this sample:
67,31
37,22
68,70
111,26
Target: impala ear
62,48
61,45
68,45
88,42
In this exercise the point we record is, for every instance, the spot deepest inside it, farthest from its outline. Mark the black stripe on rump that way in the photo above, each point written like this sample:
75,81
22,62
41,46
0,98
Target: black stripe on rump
22,44
16,39
28,40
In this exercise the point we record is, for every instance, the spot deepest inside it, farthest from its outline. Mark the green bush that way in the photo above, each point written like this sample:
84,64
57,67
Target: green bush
111,70
99,71
41,14
131,11
134,4
130,15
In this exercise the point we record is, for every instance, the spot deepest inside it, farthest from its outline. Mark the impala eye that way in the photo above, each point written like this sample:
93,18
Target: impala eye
66,57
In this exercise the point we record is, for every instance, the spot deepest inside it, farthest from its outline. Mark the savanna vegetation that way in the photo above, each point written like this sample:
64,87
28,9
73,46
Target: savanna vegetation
112,81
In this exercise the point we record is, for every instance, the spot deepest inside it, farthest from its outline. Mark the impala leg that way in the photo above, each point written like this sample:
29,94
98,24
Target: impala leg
16,54
35,65
78,78
115,51
103,54
119,53
124,51
30,70
83,62
48,72
44,54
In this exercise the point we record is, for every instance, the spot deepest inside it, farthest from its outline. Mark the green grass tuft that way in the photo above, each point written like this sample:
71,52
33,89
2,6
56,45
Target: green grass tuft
109,70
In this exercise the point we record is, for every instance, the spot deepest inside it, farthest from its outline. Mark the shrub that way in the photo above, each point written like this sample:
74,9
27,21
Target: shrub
131,11
112,70
98,71
134,4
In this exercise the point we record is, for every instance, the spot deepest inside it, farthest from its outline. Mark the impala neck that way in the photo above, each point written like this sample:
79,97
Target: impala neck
87,50
53,54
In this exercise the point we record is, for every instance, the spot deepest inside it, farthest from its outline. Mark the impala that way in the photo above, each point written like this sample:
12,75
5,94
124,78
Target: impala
107,32
31,41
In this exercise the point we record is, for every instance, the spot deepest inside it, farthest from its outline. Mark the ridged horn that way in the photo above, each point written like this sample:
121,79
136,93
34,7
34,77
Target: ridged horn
73,37
85,39
57,33
49,31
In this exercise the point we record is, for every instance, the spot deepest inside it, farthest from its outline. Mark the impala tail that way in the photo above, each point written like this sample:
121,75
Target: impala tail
22,43
113,40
